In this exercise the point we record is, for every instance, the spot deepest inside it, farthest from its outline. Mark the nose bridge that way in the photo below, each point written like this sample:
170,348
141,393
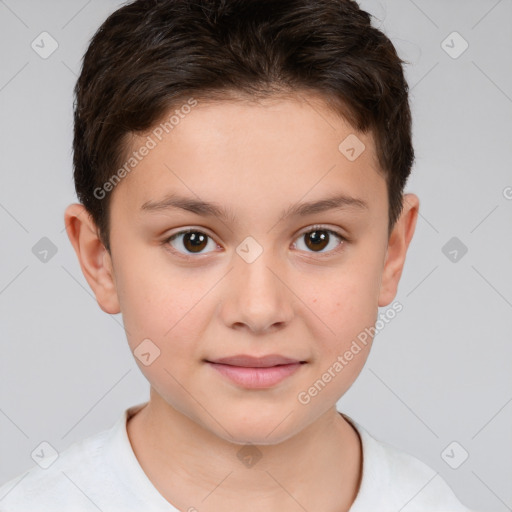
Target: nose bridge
253,267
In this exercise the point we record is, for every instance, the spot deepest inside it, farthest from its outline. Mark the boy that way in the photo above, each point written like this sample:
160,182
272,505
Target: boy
240,166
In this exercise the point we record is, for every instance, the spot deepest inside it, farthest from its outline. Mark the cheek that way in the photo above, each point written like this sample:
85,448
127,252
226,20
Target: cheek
164,321
345,304
159,300
341,350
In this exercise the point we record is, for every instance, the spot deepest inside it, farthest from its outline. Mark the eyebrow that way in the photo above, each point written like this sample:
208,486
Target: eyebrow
208,209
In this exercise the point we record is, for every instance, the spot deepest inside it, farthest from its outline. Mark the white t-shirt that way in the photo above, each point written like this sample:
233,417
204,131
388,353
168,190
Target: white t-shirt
101,473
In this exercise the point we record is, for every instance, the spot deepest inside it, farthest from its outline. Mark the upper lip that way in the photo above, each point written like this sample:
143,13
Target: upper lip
256,362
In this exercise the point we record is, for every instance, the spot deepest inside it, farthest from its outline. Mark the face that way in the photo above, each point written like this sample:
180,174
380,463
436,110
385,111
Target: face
215,255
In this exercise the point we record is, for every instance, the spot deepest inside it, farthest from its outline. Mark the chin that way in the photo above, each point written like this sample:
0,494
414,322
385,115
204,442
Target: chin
254,429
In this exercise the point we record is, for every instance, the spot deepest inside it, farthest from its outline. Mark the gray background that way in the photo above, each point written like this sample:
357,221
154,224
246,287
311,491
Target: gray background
438,373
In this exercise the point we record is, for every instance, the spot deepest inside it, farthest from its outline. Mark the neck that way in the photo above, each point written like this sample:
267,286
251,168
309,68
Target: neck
317,469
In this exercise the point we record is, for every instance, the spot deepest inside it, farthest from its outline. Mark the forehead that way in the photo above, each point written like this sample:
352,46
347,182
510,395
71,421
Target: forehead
242,154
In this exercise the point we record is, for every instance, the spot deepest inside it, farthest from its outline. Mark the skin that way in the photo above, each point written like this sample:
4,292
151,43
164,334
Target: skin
256,159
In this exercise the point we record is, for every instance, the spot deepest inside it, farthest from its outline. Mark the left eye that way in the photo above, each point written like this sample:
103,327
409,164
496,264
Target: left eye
318,239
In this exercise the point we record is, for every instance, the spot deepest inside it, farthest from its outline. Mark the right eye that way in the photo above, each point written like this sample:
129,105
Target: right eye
193,240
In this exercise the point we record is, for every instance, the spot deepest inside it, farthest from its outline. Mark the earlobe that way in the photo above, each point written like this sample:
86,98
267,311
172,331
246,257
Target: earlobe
398,244
94,259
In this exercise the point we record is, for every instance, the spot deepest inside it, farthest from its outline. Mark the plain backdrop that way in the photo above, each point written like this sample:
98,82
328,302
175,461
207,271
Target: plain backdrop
438,383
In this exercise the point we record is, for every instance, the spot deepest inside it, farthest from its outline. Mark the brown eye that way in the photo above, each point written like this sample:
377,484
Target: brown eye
193,241
318,239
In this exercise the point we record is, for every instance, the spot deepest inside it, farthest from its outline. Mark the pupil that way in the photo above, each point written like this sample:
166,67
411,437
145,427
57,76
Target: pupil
319,239
197,241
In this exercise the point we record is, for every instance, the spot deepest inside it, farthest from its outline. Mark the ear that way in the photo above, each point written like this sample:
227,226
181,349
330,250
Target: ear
95,261
397,249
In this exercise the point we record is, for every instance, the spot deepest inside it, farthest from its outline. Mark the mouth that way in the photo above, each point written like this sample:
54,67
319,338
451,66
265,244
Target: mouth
256,372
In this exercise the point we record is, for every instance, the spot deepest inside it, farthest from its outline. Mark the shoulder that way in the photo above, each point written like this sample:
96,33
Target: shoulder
66,482
396,480
100,472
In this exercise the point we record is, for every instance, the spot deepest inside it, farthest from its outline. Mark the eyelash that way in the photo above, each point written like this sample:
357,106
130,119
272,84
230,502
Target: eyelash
340,247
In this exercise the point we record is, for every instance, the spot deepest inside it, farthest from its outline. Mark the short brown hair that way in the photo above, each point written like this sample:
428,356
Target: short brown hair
150,55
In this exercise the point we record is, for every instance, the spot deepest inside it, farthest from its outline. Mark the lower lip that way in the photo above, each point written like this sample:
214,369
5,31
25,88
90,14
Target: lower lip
256,378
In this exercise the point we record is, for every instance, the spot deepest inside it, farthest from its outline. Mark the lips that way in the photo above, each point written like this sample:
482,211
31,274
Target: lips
256,372
256,362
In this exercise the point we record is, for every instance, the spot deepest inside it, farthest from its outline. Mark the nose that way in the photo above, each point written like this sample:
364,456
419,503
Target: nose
256,296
